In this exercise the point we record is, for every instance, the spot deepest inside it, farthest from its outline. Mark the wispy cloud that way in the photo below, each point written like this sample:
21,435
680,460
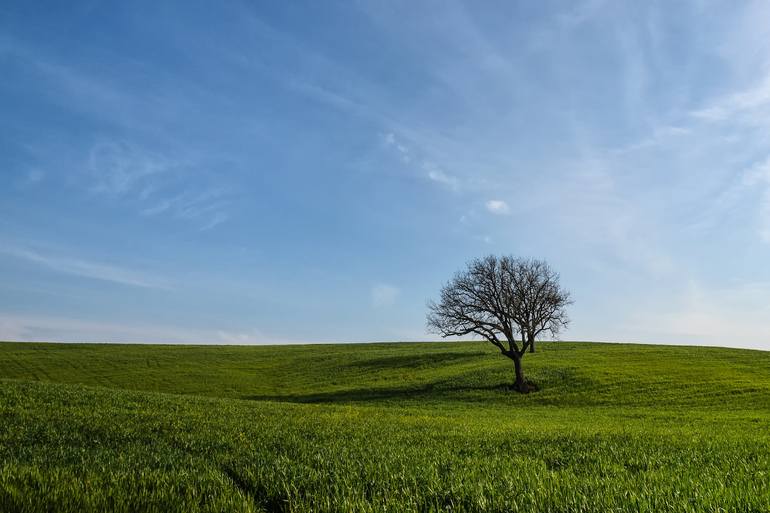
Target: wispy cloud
119,168
207,207
737,103
217,219
498,207
665,134
610,130
384,295
145,163
85,268
439,176
26,327
151,181
431,170
327,96
81,91
398,146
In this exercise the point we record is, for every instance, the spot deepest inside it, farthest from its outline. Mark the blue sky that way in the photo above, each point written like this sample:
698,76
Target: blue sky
263,172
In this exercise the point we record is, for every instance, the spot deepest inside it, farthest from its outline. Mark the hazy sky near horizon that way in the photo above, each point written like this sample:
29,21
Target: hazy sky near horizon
257,172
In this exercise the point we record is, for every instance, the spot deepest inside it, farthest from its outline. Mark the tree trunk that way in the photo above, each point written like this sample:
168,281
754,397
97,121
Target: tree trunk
521,384
532,346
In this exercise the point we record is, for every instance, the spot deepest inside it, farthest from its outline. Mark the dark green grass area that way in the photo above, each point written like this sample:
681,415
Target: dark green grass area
383,427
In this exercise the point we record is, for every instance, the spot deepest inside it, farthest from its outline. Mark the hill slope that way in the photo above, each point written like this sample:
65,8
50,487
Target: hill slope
580,374
393,427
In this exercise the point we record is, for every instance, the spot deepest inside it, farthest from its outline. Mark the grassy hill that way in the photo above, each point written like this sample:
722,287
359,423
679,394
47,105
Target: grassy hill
382,427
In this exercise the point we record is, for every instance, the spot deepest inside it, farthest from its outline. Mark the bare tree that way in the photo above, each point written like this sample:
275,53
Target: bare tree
506,300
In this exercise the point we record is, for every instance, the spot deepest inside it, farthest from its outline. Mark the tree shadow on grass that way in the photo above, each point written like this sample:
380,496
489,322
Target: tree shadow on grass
559,379
412,361
433,391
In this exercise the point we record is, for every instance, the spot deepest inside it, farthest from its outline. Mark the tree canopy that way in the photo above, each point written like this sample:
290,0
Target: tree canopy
508,301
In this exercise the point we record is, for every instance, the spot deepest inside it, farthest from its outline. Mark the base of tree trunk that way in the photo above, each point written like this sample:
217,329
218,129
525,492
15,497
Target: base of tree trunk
525,388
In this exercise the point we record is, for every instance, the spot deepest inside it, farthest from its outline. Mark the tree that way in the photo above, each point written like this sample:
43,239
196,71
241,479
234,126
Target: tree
506,300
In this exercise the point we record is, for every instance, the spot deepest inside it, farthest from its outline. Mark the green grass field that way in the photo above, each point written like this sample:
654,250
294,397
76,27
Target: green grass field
383,427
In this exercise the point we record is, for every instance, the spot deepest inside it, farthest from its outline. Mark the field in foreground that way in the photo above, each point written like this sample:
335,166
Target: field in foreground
382,427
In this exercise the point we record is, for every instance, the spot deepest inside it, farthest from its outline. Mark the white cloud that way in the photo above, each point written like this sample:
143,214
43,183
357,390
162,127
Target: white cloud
88,269
433,171
384,295
437,175
28,328
401,148
499,207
